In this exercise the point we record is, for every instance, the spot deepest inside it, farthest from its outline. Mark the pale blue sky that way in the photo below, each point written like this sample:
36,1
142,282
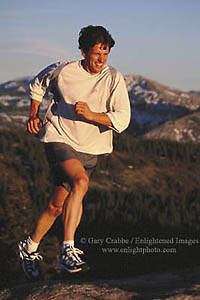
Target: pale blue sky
159,39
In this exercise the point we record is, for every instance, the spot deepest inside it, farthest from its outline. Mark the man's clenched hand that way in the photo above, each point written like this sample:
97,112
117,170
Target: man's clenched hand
34,125
82,108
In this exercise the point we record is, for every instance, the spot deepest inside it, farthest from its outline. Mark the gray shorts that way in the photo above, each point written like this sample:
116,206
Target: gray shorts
59,152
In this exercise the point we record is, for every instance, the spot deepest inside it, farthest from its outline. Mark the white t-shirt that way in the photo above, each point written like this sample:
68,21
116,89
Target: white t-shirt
104,92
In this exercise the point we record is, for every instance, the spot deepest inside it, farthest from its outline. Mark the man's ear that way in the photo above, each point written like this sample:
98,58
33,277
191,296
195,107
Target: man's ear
83,53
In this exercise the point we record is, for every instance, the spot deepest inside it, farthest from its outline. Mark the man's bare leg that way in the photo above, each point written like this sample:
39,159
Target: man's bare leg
72,208
50,214
70,204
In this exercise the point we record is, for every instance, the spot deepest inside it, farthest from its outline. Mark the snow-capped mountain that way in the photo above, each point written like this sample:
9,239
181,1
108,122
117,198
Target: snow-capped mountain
152,104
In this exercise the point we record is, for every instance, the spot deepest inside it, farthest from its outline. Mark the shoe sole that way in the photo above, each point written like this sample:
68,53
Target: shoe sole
84,268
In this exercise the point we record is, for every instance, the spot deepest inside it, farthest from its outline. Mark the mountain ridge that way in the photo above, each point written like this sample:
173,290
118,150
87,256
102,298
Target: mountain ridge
152,104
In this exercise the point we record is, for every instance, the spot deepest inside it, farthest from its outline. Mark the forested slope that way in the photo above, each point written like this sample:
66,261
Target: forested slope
147,189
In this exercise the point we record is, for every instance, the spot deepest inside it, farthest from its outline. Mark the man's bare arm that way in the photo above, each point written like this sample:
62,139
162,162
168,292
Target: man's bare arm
34,123
82,108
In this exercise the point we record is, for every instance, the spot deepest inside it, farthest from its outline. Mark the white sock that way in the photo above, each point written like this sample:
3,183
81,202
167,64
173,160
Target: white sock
69,242
31,246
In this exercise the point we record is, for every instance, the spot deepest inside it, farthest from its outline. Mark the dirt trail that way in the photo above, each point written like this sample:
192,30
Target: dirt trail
174,285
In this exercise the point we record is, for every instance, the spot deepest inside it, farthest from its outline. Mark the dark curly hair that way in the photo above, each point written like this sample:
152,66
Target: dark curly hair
91,35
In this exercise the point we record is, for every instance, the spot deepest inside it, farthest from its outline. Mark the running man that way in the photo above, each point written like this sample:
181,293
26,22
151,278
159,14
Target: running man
90,102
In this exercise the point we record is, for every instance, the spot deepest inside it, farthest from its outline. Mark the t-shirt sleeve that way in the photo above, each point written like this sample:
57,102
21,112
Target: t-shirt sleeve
41,82
120,111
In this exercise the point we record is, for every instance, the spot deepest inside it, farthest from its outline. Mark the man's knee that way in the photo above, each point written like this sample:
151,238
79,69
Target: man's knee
54,210
81,184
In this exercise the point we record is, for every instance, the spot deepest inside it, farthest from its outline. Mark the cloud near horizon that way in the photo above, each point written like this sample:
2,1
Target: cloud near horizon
36,47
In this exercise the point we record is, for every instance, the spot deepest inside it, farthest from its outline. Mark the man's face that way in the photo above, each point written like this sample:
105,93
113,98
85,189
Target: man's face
96,58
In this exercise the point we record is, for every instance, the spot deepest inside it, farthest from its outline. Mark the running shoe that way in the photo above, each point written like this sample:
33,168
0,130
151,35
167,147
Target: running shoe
29,261
70,261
